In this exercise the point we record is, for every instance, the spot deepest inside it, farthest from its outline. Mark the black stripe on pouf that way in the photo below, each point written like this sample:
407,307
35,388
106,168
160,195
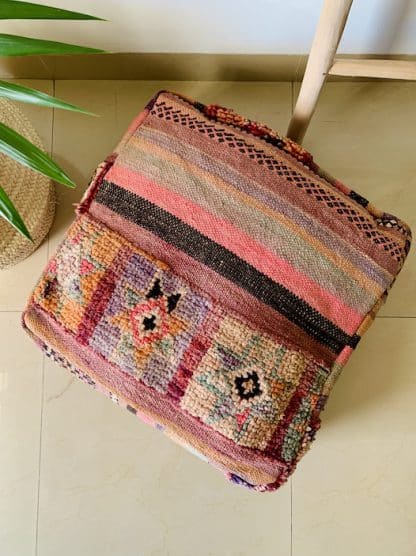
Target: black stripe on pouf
176,232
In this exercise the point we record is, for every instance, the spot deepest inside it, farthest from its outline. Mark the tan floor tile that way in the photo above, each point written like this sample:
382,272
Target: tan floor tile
354,500
355,491
377,388
16,283
243,97
20,407
112,485
364,134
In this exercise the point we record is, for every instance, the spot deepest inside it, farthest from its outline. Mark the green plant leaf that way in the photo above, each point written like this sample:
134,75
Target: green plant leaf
12,9
19,148
13,91
11,45
9,212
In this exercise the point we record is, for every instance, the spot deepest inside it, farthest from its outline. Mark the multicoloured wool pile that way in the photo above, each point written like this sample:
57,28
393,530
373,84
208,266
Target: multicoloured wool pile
215,282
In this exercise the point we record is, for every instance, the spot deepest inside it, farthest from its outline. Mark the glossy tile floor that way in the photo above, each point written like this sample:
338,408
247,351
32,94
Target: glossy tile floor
79,475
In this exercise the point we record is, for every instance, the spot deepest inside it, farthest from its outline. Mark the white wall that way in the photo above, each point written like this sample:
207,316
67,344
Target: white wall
226,26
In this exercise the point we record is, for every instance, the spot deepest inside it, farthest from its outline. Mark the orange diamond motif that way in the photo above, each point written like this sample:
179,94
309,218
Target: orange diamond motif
150,320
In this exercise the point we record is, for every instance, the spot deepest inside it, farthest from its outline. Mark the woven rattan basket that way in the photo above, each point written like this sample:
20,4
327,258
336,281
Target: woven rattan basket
32,193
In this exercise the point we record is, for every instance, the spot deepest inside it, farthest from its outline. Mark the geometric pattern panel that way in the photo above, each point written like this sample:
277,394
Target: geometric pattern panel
244,383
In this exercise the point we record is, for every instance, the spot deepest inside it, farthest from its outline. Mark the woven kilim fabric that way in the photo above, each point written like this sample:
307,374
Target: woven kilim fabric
214,283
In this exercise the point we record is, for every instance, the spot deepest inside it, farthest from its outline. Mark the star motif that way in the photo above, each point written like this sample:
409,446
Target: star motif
248,385
147,319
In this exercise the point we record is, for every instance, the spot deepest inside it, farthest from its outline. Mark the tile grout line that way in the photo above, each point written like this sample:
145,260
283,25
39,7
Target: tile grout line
292,95
43,363
52,149
40,454
395,317
291,516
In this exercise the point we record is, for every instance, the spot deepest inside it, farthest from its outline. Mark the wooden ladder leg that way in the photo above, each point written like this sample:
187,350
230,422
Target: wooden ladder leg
329,31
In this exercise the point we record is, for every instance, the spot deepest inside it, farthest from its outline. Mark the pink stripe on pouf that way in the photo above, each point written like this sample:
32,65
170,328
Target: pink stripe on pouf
224,233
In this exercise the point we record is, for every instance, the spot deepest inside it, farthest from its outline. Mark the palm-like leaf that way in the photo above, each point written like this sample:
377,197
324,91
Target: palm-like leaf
11,45
9,212
14,9
13,91
11,143
17,147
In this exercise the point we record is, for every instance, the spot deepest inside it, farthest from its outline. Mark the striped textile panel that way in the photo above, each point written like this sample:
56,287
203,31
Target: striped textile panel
215,282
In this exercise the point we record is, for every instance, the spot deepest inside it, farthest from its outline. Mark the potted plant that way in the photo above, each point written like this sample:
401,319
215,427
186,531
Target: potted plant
27,173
